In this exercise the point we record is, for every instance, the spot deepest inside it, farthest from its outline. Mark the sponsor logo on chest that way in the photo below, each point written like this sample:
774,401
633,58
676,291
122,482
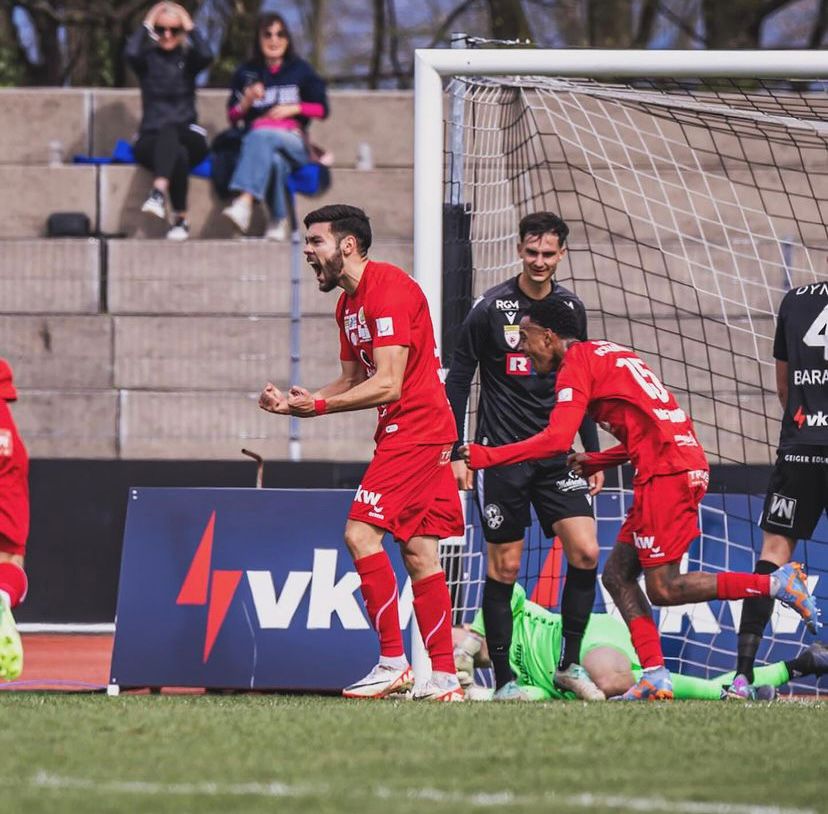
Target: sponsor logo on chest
818,419
6,443
517,364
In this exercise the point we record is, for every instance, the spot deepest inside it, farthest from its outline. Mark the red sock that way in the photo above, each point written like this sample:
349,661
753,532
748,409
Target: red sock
646,641
432,606
13,581
730,585
379,590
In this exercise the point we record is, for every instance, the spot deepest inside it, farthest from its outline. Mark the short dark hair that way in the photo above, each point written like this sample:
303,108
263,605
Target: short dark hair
345,220
263,22
555,314
540,223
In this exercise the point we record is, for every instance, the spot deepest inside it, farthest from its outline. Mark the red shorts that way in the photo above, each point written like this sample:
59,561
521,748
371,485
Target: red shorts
410,491
664,517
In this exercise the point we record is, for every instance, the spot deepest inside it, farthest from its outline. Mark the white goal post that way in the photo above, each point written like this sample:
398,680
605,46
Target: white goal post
696,187
431,65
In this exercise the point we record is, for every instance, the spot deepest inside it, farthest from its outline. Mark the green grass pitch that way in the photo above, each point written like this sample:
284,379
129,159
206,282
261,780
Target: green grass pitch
307,754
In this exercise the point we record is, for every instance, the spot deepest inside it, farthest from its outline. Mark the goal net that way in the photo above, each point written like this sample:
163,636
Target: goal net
693,206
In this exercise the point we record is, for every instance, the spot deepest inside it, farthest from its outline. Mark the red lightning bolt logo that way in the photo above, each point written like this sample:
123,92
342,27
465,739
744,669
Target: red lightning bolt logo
201,582
799,417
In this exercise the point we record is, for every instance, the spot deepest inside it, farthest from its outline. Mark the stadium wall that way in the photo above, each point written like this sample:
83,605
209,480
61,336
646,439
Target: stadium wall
79,508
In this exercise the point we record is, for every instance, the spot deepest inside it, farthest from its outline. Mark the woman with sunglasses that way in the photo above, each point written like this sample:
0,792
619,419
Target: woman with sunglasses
273,97
167,53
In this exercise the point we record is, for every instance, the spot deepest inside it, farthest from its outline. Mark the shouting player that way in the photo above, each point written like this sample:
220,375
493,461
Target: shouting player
389,361
798,490
607,653
14,527
515,404
671,474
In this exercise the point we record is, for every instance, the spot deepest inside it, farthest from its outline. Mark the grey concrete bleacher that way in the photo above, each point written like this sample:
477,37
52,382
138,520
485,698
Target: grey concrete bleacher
386,194
142,348
384,120
31,192
50,276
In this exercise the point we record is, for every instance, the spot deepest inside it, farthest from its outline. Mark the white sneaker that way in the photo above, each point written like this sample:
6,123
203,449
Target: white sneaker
477,693
440,687
576,679
381,681
277,231
240,212
179,231
155,204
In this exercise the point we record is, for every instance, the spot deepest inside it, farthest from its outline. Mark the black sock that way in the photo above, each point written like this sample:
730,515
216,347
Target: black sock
756,613
497,619
576,606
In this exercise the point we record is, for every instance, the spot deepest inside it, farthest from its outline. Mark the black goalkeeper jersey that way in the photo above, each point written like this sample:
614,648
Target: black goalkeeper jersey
515,401
802,341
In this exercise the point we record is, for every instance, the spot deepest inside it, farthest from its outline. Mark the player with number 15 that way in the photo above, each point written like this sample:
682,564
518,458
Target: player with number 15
624,396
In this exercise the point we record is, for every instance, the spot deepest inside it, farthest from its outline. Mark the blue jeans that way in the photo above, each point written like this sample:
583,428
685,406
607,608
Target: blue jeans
265,155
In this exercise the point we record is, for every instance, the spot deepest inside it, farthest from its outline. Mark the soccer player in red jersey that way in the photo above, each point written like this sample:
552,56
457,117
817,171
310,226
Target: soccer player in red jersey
389,361
622,394
14,527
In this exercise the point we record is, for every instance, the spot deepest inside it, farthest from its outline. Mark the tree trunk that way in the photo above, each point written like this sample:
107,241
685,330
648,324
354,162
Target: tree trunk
378,47
610,23
735,23
316,26
508,20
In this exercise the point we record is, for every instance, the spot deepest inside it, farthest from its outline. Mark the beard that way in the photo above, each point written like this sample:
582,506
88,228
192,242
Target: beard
329,271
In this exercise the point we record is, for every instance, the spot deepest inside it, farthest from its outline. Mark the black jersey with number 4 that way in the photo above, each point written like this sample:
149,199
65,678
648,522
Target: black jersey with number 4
802,341
514,401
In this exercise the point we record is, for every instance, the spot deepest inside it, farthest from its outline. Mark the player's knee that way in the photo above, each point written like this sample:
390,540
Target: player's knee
585,557
506,571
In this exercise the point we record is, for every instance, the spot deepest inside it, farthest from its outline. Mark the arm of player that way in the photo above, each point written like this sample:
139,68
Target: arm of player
555,439
383,387
588,463
464,363
782,383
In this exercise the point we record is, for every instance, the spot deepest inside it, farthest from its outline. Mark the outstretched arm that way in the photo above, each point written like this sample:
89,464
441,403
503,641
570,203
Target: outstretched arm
555,439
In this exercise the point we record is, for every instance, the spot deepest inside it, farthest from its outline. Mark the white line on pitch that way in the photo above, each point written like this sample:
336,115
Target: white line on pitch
46,780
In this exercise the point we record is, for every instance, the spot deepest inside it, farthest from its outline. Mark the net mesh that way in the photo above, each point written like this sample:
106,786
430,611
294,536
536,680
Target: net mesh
693,206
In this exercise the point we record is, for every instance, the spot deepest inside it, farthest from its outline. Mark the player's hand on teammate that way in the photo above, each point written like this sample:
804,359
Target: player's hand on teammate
580,464
463,476
596,483
466,452
273,400
301,402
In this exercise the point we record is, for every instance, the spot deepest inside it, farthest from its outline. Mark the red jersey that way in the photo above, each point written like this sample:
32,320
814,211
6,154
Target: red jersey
389,308
14,483
623,395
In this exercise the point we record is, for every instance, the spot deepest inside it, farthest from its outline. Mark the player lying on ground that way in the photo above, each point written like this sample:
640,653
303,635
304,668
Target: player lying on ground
606,652
671,474
14,527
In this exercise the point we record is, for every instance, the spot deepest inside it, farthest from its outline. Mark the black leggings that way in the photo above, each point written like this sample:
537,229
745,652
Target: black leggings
171,153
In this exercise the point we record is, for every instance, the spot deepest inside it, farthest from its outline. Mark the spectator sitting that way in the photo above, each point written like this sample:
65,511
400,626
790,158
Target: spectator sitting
275,95
166,54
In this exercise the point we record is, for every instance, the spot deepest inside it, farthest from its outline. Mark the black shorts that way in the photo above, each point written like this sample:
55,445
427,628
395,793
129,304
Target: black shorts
797,493
504,494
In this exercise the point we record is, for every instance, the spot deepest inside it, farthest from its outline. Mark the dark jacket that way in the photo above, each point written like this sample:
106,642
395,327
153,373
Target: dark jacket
167,78
295,82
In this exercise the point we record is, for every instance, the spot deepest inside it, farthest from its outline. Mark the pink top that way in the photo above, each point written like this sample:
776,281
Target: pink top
311,110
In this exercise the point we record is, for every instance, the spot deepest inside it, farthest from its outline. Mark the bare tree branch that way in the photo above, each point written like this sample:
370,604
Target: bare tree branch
378,44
